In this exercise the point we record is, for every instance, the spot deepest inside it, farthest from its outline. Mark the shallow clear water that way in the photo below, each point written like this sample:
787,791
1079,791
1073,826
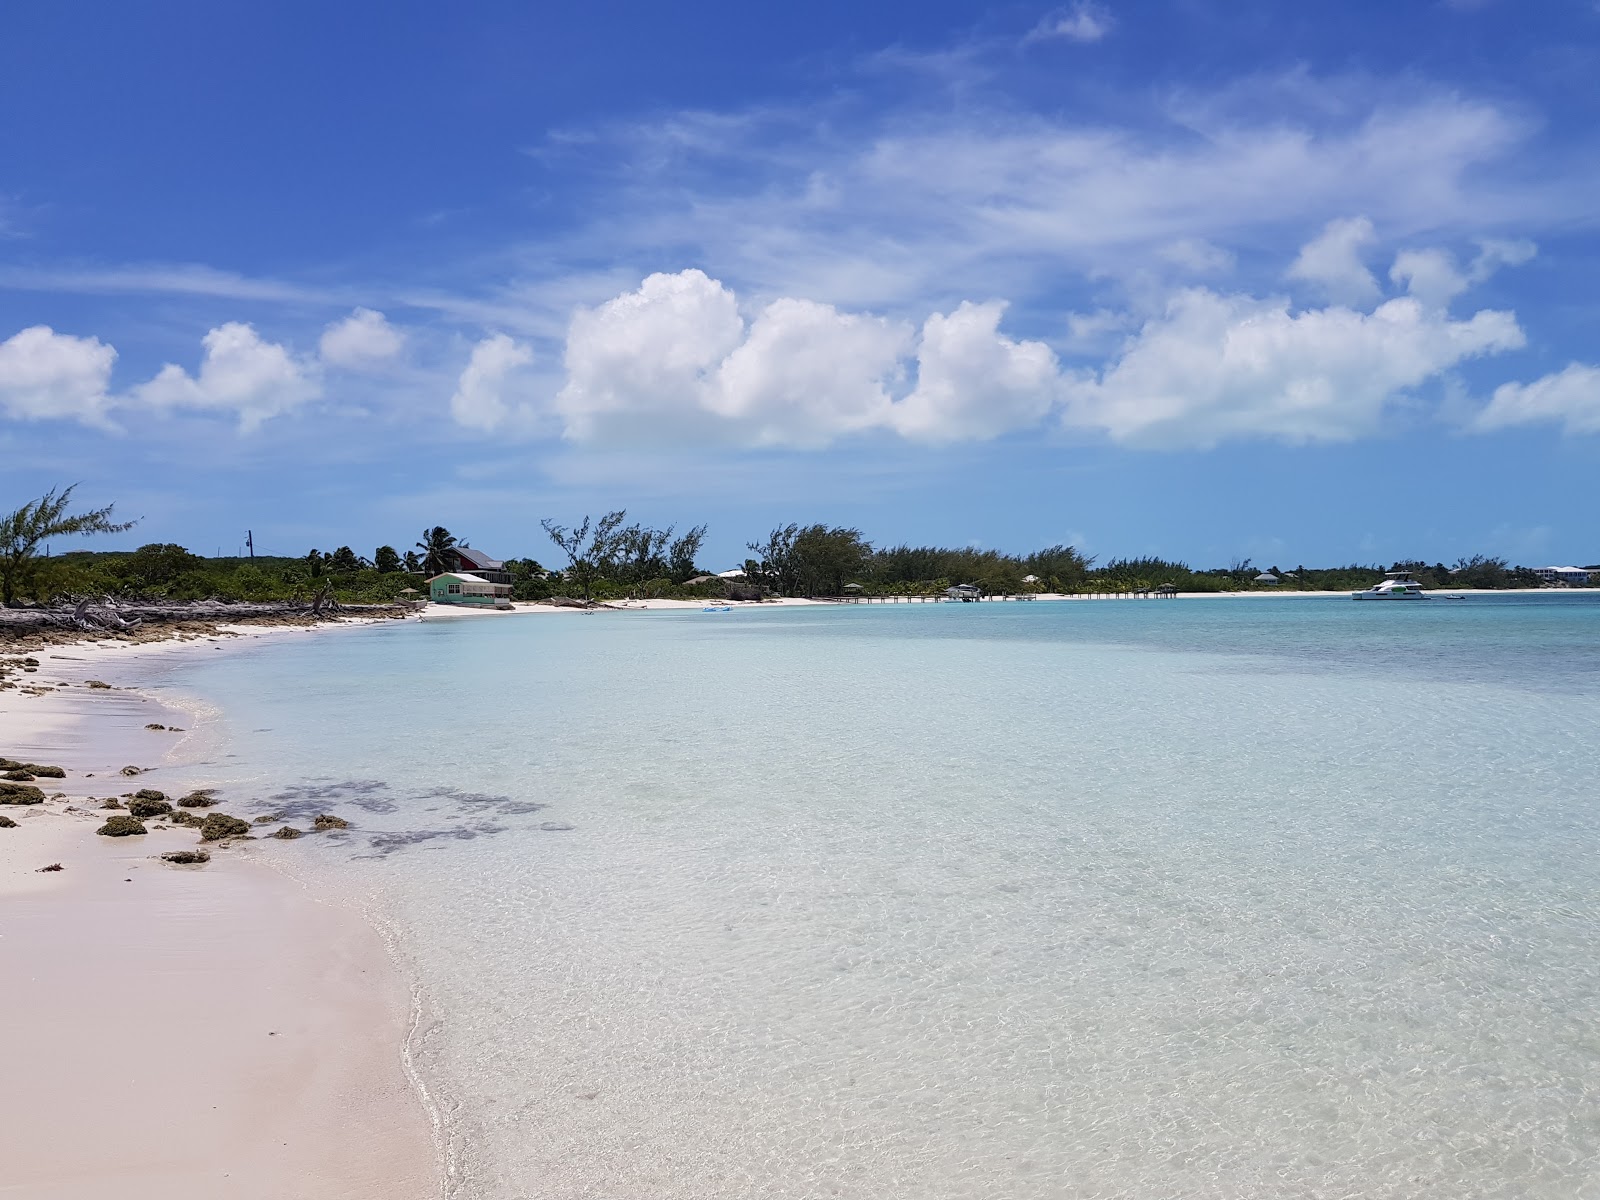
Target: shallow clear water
1234,898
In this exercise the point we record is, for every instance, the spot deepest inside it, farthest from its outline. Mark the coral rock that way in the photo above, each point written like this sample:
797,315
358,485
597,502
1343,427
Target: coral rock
143,806
20,793
328,821
217,826
121,825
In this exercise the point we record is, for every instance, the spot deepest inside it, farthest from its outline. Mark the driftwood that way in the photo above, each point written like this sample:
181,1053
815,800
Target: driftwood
569,602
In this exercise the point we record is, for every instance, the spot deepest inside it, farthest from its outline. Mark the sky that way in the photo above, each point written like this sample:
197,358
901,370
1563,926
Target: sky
1205,279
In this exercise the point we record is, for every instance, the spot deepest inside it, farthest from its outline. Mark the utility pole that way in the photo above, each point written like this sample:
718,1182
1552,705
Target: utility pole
250,541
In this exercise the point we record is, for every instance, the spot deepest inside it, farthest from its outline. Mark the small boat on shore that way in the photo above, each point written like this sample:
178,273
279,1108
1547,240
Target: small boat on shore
1396,585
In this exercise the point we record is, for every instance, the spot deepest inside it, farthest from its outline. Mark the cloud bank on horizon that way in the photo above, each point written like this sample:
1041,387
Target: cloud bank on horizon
1053,231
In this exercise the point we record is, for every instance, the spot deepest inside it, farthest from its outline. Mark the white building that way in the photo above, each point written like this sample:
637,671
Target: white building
1573,576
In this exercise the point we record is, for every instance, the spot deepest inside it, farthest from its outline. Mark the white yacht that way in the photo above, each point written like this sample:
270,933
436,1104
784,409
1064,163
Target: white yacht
1396,585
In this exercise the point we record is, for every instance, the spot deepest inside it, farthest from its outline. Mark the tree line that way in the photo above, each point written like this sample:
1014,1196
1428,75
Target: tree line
608,556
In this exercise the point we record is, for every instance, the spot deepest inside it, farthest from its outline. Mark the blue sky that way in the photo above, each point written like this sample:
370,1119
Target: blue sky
1306,283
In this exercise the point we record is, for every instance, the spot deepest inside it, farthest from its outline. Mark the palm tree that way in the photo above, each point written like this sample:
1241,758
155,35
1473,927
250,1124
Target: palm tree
41,519
436,545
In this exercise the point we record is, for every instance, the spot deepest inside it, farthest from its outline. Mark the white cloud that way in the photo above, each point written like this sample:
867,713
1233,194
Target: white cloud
1433,276
674,360
1430,275
361,341
807,373
1570,398
1494,253
1333,262
480,400
1197,256
1218,367
239,373
1083,22
973,382
647,356
920,209
45,375
1097,332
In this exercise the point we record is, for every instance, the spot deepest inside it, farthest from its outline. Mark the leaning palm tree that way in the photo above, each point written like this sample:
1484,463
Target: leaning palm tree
436,545
37,521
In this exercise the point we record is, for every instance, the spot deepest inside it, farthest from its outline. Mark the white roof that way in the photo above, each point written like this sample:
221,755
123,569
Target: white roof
736,573
461,575
1030,579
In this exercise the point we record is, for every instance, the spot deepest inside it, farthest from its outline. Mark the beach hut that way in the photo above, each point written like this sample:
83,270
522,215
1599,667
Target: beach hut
462,587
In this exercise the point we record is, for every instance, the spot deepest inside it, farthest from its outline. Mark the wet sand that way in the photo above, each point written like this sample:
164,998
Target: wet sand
177,1032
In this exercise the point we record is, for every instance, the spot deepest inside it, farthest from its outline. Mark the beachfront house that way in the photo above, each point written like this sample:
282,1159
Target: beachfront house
1570,576
476,562
1267,577
463,587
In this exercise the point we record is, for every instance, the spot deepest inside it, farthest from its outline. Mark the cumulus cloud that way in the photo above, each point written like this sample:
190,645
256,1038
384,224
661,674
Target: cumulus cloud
1433,276
807,373
361,341
647,355
1332,262
1217,367
973,381
1430,275
239,373
45,375
1569,398
1083,22
480,400
675,358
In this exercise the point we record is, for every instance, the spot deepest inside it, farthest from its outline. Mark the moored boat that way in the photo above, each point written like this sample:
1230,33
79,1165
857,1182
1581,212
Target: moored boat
1396,585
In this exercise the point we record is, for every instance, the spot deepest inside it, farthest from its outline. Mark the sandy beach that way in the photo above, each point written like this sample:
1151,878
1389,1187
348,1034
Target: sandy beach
182,1031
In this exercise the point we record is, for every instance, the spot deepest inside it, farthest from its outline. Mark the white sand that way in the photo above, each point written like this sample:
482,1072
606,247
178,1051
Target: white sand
182,1032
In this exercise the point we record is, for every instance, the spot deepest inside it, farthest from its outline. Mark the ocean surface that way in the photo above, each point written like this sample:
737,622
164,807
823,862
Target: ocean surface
1197,899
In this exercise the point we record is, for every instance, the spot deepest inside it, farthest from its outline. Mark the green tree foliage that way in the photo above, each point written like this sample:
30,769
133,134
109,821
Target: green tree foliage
25,529
412,563
529,581
682,552
436,545
590,548
811,560
346,559
158,564
386,560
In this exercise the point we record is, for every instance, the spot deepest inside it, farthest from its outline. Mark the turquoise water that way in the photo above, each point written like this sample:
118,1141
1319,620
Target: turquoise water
1201,899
